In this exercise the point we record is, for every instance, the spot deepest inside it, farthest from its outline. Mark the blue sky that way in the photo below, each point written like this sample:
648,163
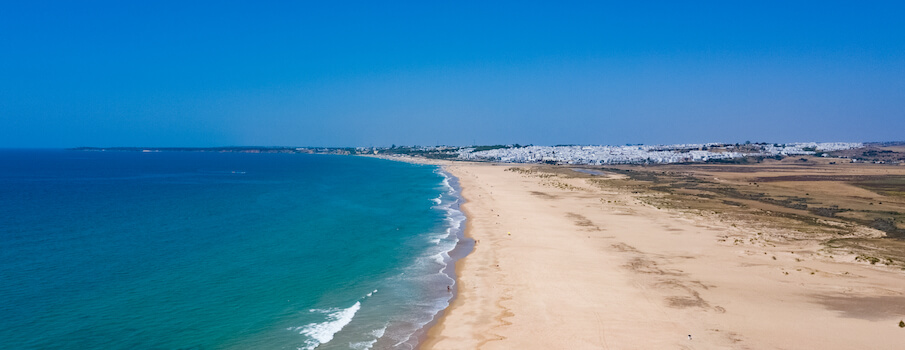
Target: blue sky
336,73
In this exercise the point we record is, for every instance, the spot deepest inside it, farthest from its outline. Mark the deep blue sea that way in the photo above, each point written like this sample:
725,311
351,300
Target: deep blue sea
192,250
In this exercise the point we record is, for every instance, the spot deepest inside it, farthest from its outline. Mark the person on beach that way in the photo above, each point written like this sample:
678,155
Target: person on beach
448,289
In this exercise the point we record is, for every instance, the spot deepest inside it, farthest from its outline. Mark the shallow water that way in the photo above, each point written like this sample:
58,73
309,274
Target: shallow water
124,250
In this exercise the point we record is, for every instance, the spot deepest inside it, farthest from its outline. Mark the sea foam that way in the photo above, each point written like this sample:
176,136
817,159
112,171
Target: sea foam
428,270
322,333
365,345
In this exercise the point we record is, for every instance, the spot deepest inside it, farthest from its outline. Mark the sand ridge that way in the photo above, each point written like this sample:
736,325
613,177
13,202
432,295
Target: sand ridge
562,263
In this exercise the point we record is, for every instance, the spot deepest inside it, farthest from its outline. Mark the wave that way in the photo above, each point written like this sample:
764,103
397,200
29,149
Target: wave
337,319
322,333
435,268
365,345
454,217
423,284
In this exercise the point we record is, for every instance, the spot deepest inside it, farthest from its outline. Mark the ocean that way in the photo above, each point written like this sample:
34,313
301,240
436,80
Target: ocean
197,250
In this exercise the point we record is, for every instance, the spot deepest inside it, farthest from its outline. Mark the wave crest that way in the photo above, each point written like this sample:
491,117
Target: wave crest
322,333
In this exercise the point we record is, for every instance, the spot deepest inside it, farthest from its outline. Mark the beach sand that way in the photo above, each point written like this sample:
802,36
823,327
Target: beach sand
561,263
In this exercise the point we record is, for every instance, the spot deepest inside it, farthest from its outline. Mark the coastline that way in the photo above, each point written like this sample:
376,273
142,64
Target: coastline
565,260
464,246
562,263
429,333
435,329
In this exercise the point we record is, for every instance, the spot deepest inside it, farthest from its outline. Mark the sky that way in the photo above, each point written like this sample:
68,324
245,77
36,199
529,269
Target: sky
339,73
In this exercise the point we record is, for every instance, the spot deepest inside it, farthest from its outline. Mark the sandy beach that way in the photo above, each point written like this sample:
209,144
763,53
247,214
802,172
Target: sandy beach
565,263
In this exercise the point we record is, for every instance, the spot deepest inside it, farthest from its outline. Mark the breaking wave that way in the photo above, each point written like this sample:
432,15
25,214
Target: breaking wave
322,333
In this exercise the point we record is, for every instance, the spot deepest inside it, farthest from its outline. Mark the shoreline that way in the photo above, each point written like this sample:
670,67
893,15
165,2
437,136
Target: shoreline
433,329
562,261
428,334
464,246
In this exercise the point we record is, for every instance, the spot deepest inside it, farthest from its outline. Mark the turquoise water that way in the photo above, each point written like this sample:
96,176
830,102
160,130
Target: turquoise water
129,250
